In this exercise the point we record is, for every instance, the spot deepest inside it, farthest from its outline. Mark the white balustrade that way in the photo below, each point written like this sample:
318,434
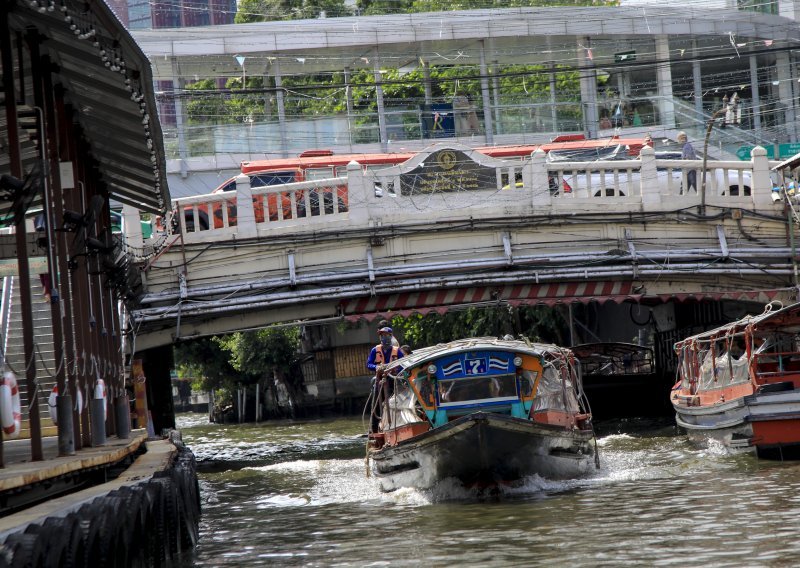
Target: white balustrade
534,186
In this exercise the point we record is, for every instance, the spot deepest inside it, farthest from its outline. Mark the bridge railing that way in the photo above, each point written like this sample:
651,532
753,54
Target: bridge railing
517,188
278,205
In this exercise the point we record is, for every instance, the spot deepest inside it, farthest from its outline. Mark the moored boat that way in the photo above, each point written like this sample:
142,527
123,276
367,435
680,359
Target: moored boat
620,380
482,411
740,384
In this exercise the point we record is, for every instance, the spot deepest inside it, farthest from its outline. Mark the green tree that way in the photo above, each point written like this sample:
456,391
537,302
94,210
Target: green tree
372,7
267,353
537,323
208,105
270,10
206,359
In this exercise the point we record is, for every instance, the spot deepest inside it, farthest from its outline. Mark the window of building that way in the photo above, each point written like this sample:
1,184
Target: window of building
760,6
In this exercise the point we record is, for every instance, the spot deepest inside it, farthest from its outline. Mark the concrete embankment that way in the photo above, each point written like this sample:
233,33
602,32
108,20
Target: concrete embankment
146,516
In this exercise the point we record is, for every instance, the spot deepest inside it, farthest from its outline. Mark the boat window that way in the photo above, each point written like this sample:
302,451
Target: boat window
732,369
553,393
687,364
423,385
528,380
319,173
400,408
271,178
706,359
477,389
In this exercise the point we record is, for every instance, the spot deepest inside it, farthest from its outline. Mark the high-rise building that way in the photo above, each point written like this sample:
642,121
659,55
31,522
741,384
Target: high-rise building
158,14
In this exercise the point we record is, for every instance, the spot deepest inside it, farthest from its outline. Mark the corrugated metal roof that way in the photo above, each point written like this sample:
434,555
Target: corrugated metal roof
106,79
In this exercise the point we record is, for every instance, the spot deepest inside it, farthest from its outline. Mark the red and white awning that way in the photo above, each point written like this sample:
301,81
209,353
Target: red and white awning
440,301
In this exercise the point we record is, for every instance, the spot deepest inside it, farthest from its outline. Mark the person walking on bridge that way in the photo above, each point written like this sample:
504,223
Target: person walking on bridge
688,153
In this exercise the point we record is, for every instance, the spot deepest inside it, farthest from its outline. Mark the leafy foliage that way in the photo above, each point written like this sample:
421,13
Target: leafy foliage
324,94
264,351
206,359
537,323
240,358
369,7
271,10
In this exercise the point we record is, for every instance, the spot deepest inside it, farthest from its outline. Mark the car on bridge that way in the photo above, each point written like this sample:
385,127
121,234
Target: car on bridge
324,164
617,181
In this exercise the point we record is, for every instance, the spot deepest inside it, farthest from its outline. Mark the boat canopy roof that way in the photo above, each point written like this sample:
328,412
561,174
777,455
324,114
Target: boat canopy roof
425,354
774,317
614,358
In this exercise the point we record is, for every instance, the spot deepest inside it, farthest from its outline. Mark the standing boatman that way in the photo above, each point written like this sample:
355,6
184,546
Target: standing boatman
384,352
380,355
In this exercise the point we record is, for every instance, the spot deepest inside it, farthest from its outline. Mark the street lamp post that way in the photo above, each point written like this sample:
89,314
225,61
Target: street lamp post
240,59
705,158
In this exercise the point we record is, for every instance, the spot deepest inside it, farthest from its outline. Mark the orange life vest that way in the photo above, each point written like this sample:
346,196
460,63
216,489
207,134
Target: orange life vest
379,354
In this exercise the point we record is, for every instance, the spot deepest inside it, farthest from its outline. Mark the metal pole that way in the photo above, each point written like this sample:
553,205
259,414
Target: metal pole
487,104
382,132
705,159
15,167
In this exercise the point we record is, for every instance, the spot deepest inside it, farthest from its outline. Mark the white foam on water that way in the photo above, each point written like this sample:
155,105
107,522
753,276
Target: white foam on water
612,439
339,481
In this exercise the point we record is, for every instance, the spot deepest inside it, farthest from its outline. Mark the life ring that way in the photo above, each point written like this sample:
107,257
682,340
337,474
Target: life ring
10,408
51,404
100,393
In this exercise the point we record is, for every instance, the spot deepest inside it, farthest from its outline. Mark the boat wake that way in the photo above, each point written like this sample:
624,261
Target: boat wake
338,481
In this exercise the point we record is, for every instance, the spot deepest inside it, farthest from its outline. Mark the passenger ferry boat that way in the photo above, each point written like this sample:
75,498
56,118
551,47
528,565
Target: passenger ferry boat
483,411
739,384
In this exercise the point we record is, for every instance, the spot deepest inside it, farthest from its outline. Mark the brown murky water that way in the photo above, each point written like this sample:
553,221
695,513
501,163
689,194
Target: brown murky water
296,494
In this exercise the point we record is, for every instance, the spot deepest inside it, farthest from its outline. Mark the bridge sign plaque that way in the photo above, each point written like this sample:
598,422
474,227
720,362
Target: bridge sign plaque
447,170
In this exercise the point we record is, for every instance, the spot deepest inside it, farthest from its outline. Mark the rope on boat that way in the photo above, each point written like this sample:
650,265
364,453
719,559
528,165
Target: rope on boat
371,404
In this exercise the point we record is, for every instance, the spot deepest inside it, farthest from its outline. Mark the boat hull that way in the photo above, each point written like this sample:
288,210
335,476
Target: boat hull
484,450
766,423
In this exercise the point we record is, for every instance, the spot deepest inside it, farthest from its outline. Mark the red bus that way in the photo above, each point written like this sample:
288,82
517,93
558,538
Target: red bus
324,164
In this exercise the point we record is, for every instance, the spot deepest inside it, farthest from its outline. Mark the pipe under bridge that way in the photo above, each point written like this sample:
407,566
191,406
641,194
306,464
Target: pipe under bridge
453,227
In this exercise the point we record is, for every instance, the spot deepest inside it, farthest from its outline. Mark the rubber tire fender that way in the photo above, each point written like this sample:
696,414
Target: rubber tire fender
24,549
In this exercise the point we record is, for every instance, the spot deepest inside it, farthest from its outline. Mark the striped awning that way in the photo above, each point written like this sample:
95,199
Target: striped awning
757,296
440,301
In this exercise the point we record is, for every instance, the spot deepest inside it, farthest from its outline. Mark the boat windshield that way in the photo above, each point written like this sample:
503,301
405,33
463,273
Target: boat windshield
555,394
477,389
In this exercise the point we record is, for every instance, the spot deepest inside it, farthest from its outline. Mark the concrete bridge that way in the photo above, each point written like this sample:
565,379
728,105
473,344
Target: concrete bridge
452,227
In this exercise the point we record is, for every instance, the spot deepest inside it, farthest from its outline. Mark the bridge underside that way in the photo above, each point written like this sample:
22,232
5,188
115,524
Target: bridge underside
254,305
402,252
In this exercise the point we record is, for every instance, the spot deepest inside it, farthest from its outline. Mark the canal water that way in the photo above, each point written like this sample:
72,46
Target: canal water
296,494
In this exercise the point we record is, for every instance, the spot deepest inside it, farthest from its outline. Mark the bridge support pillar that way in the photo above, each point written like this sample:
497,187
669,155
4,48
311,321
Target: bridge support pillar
666,106
359,195
648,180
534,176
245,216
762,183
